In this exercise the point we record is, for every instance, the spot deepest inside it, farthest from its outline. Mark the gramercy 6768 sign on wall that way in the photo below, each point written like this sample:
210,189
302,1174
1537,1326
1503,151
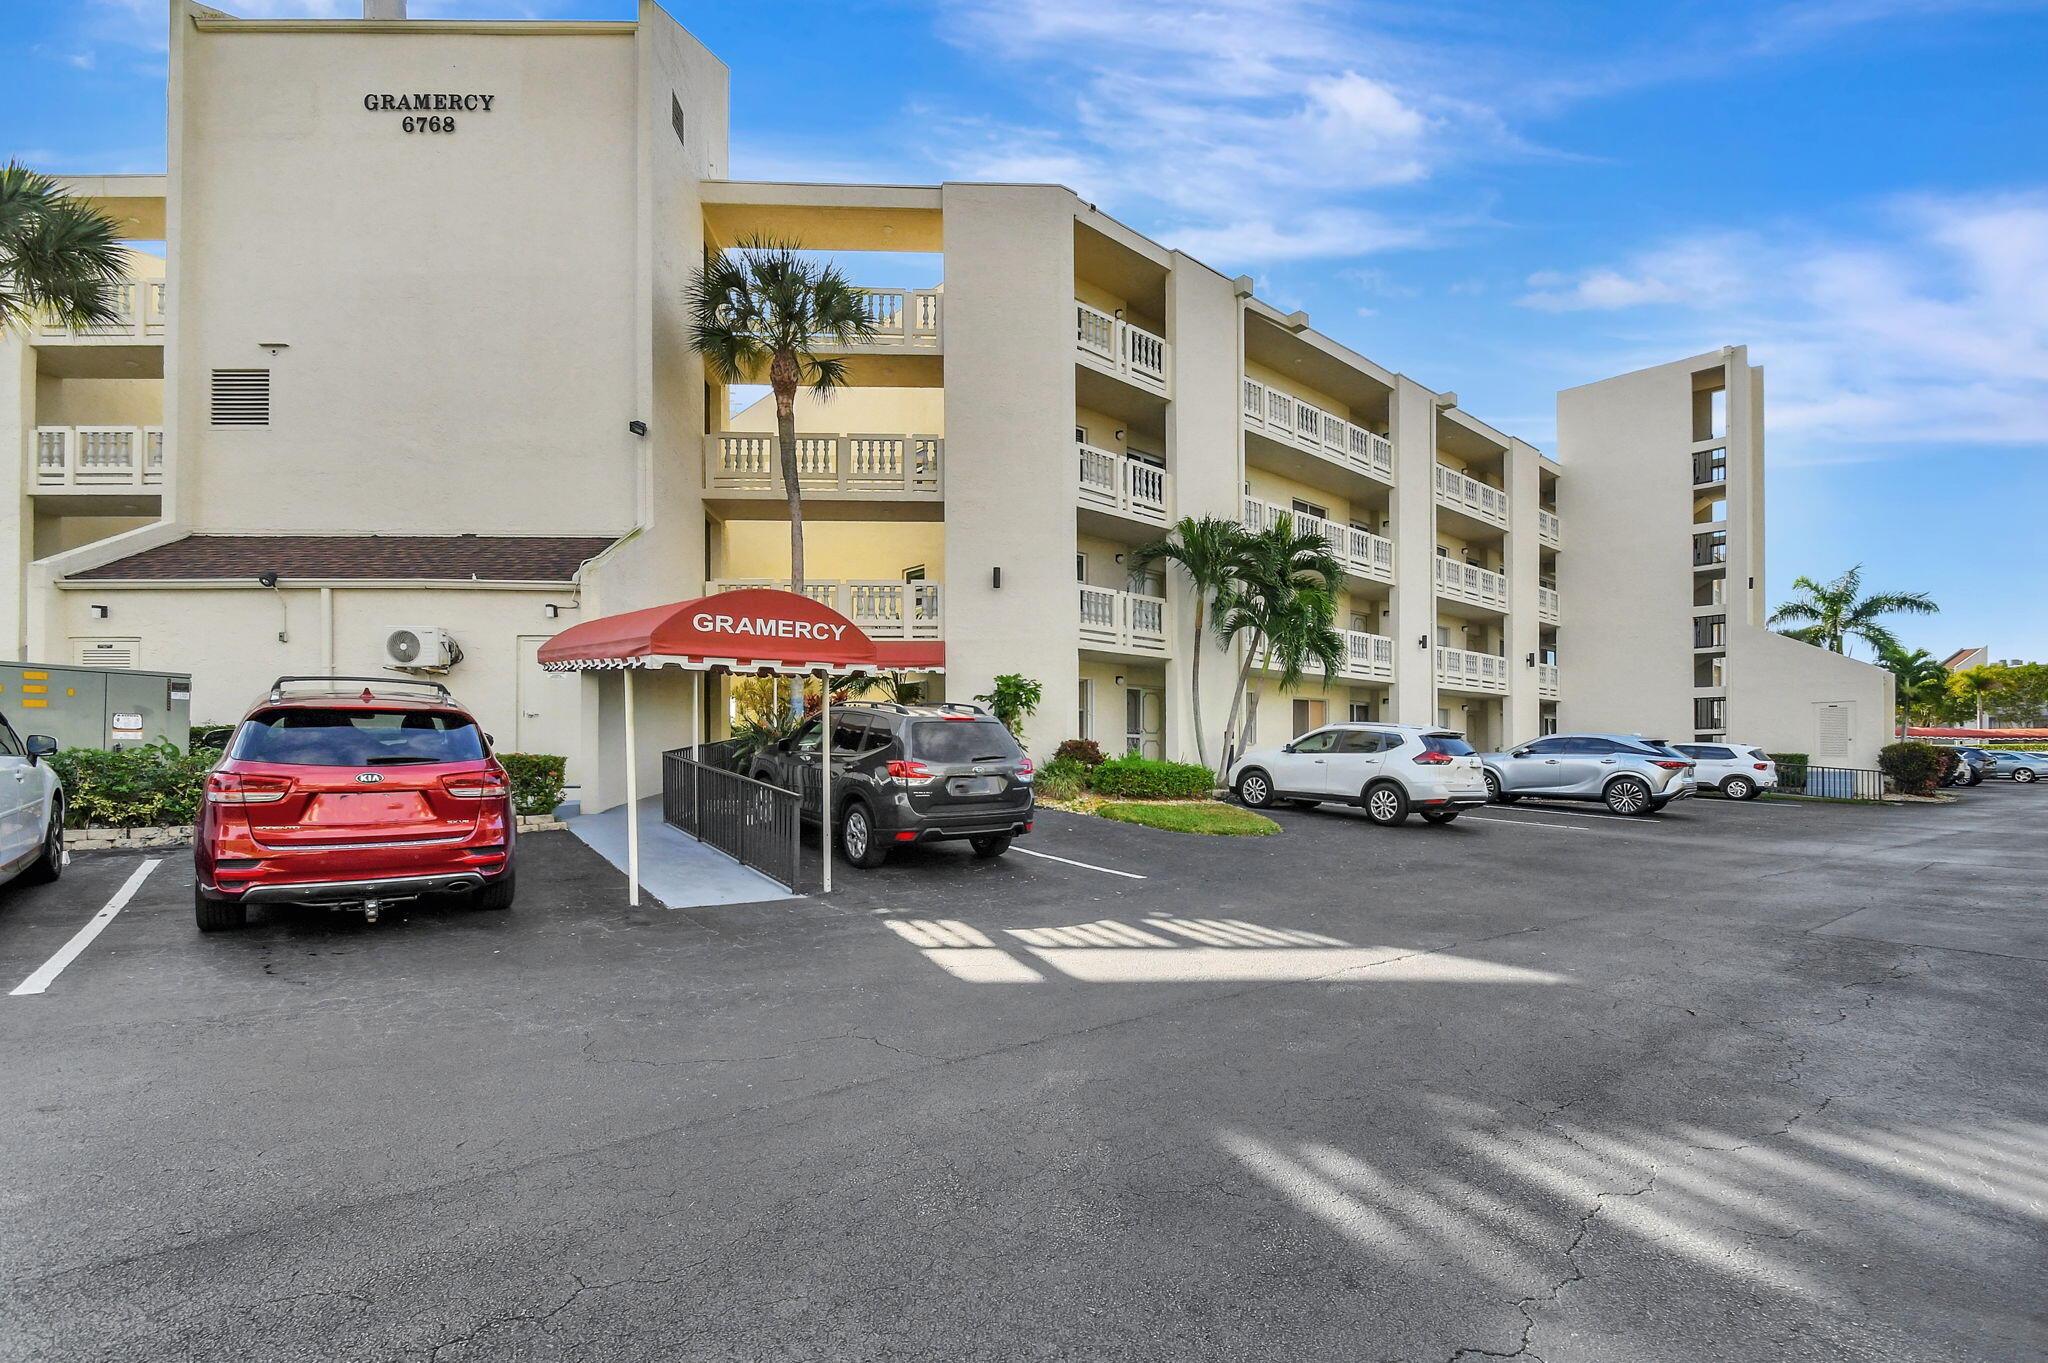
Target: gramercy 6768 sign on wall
428,113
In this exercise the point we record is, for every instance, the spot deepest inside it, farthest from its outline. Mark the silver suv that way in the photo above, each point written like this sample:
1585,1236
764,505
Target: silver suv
1628,773
1389,770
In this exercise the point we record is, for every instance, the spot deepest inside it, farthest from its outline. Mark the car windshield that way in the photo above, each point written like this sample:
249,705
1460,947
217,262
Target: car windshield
1449,746
959,740
312,737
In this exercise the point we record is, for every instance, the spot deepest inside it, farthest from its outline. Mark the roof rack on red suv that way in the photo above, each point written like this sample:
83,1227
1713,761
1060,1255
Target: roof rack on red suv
326,686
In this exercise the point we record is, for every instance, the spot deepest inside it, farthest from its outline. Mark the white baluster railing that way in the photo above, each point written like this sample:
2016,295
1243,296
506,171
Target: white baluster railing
1548,528
1470,582
1123,347
853,465
1126,622
1363,553
1547,604
1300,423
85,457
1483,500
1116,482
1546,680
882,608
1471,671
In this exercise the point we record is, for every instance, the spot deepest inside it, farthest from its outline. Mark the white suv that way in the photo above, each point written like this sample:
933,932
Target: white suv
1389,770
1736,771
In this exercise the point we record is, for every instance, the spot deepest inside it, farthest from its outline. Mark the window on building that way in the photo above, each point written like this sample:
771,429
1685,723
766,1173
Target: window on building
1709,713
1302,508
914,573
678,121
1080,567
1710,631
1361,712
1087,722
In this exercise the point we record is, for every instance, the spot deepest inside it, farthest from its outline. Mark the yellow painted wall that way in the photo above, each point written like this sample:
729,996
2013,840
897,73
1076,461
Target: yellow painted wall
854,411
841,550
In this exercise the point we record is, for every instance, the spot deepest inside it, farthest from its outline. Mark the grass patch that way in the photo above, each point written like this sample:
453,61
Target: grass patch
1192,816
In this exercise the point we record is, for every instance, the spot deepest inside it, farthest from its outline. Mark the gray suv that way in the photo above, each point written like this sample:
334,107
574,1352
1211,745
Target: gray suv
909,773
1628,773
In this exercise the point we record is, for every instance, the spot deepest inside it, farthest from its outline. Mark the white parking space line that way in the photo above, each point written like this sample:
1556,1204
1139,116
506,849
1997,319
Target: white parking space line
80,940
1525,823
1127,875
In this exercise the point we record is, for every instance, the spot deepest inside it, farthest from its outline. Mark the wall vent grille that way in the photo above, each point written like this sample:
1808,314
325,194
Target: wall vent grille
241,397
107,652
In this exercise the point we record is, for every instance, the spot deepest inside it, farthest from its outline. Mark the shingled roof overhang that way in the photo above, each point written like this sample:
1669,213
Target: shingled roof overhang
550,559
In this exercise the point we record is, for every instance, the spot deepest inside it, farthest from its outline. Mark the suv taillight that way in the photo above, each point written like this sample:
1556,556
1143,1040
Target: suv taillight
1761,766
234,788
1025,767
913,772
1670,766
475,785
1432,759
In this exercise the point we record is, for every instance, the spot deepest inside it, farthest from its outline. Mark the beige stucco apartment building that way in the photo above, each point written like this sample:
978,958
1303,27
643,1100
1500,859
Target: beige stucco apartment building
415,357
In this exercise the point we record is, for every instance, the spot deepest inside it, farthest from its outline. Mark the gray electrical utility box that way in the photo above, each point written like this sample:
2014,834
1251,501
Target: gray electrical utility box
97,707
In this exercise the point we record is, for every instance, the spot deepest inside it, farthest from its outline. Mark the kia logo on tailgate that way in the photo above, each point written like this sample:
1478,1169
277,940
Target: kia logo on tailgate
368,776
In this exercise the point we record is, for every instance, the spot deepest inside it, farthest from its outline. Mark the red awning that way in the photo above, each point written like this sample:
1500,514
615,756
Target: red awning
912,655
2018,735
748,629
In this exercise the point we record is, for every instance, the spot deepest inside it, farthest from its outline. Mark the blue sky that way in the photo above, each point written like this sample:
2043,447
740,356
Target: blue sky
1498,198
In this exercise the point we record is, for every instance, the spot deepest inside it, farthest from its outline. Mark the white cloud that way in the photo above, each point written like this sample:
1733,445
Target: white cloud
1937,333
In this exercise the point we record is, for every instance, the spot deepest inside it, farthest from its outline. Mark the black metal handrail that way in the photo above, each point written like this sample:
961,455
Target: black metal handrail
751,821
1832,783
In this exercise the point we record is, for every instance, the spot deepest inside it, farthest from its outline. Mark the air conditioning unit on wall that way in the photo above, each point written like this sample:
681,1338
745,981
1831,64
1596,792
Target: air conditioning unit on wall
421,648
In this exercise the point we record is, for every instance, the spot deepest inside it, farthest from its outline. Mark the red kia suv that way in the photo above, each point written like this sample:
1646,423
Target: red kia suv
355,793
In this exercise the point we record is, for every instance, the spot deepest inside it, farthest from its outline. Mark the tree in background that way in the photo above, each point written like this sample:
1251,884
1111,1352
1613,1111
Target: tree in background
1208,552
1831,614
1922,682
59,256
1974,685
762,307
1286,597
1012,700
2023,700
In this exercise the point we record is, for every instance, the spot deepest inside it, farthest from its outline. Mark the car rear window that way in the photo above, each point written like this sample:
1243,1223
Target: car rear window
1448,746
962,740
311,737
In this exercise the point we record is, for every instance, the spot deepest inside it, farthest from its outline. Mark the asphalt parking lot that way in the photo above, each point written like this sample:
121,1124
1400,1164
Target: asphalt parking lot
1743,1082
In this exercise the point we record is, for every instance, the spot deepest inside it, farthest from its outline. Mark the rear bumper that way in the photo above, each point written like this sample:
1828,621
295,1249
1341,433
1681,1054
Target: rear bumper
1016,825
356,891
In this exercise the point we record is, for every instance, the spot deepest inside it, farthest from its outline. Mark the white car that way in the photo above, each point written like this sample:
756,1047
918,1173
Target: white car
1737,771
1388,770
31,809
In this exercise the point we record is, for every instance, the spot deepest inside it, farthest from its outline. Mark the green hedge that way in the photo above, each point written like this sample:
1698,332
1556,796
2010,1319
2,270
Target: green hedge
1791,768
1914,767
1142,778
151,786
536,780
1063,778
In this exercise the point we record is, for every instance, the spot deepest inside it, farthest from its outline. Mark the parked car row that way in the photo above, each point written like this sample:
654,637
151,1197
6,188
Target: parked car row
1974,766
1393,770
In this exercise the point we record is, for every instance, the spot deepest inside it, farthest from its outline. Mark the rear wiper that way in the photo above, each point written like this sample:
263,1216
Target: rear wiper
992,757
389,761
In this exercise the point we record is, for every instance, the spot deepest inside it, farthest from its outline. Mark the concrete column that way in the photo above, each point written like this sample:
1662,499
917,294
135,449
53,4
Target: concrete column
1413,427
17,476
1010,476
1205,446
1522,556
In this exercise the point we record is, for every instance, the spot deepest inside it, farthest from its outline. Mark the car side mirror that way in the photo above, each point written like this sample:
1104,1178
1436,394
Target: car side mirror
1519,752
490,743
1286,747
40,746
216,738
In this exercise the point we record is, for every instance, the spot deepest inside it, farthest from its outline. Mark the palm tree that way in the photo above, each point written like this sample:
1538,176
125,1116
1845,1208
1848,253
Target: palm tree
1208,552
1284,599
1922,680
762,306
1833,613
1973,684
59,256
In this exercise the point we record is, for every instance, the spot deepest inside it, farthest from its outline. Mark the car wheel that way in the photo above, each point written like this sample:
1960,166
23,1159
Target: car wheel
1627,796
1255,789
2024,775
1385,804
858,840
1739,788
49,864
218,915
992,846
1441,816
496,894
1494,792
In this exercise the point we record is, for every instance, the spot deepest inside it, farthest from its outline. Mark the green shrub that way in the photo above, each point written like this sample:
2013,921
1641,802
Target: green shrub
1791,769
1915,768
196,739
536,780
151,786
1086,751
1143,778
1063,778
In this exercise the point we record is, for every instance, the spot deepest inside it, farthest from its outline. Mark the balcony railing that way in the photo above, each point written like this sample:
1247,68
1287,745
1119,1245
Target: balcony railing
1304,425
1548,528
1469,671
1469,582
882,609
1130,487
1546,681
140,304
904,319
1364,553
874,466
1483,500
1367,657
1124,622
1123,348
70,458
1547,605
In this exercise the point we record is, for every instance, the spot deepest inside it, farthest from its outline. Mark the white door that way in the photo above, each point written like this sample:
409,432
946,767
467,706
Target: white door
548,704
1145,721
21,800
